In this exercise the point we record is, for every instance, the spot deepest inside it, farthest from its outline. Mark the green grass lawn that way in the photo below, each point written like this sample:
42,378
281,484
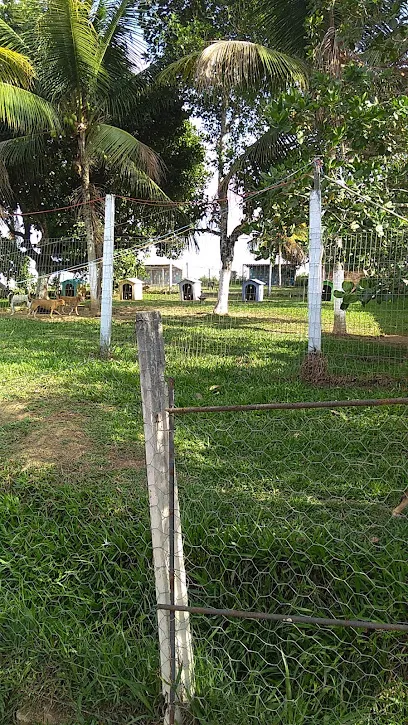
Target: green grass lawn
283,512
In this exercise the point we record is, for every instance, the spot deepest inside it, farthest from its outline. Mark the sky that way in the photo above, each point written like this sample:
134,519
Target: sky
207,261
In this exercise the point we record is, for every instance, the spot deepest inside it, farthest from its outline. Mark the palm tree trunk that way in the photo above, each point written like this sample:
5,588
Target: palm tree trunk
84,166
280,265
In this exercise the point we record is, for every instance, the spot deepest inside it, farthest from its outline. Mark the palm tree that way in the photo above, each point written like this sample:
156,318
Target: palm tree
84,54
228,69
21,110
236,64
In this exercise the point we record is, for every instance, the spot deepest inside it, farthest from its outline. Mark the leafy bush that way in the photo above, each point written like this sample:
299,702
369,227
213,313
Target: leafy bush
371,288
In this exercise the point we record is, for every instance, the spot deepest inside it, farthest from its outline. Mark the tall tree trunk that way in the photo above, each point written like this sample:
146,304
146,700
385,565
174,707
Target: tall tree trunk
226,244
339,326
94,275
280,265
227,254
41,290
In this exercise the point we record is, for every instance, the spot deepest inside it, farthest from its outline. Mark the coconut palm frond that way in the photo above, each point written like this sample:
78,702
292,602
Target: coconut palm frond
12,40
329,54
238,63
70,45
271,146
141,183
15,68
122,30
184,68
120,148
283,23
22,150
24,111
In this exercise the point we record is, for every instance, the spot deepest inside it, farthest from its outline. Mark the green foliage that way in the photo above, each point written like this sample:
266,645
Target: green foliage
372,288
127,264
86,62
362,141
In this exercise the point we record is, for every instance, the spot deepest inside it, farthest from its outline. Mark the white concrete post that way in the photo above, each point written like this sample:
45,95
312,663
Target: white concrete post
170,275
156,431
315,270
339,326
107,275
270,279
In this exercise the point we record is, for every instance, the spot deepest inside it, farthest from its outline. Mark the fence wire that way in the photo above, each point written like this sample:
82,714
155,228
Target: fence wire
281,512
290,513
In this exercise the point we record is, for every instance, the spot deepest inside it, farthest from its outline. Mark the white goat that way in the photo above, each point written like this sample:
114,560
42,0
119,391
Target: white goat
18,300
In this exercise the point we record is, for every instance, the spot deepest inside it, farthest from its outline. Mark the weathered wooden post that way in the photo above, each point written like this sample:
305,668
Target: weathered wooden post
156,430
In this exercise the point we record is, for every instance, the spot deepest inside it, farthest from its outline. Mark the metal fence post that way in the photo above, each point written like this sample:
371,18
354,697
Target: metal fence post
155,400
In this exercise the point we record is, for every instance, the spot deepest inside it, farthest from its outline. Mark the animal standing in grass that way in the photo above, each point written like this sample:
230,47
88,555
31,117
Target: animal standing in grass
18,301
73,302
51,305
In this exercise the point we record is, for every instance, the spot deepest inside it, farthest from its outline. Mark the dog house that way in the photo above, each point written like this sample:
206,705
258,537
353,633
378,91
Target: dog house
131,289
327,290
69,287
253,290
190,289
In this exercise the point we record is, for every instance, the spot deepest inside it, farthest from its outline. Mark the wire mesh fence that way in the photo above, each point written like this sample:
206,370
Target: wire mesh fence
284,512
290,513
369,270
365,272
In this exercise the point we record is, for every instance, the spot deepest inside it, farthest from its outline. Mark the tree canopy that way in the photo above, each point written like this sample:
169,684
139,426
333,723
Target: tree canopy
87,65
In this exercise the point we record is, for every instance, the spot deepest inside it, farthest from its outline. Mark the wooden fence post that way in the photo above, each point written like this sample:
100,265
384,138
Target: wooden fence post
156,430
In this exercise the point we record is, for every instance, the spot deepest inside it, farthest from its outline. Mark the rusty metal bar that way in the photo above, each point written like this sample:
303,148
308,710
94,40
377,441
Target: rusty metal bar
369,403
285,618
172,611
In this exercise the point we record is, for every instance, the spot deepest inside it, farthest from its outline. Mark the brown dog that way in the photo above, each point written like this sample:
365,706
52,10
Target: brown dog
50,305
73,302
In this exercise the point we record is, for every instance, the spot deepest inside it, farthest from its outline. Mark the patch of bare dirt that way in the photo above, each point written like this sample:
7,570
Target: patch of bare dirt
384,339
121,462
59,440
123,457
314,368
12,411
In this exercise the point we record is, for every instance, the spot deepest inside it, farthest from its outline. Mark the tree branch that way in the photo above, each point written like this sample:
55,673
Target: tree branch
207,230
236,233
15,233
